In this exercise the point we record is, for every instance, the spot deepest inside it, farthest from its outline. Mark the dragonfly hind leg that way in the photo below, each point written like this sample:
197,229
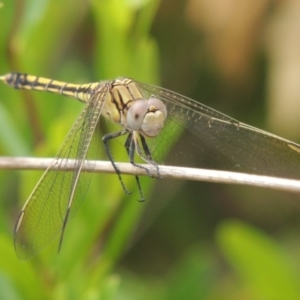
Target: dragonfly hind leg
105,140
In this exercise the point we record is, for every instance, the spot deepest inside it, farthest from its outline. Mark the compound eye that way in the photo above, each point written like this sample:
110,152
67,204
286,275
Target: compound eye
136,114
155,117
158,104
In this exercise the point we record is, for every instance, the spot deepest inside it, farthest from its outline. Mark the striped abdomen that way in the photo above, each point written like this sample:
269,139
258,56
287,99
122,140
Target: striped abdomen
81,92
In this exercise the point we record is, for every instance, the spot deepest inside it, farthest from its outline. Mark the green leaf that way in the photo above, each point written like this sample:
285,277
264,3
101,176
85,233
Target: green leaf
259,261
10,138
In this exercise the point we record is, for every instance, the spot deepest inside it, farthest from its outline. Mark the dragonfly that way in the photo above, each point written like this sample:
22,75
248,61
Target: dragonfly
148,118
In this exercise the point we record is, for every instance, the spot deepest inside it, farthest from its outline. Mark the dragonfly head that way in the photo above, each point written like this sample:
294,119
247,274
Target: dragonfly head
147,116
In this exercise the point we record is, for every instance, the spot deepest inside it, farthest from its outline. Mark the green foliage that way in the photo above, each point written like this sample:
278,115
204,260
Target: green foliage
44,37
261,265
83,41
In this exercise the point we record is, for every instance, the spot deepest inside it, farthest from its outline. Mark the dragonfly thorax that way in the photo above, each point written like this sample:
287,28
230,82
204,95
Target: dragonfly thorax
147,116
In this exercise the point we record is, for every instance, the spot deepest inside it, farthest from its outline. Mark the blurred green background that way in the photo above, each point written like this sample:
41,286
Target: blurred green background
188,240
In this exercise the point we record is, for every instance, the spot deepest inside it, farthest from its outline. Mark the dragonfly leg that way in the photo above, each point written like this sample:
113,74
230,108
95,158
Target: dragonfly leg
105,140
148,157
130,148
131,145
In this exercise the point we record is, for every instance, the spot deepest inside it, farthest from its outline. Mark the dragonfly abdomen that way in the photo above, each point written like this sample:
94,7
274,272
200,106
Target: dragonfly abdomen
81,92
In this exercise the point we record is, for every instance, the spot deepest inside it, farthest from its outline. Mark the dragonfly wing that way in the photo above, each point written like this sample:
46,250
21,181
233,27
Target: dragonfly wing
59,193
222,142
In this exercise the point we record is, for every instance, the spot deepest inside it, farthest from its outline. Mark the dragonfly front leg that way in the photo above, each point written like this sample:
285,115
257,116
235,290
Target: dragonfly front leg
132,145
148,157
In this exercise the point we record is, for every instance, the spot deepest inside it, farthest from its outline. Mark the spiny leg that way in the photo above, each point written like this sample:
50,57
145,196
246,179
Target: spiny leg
106,138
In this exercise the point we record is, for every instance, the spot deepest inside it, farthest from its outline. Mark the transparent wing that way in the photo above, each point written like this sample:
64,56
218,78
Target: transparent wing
60,192
222,142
